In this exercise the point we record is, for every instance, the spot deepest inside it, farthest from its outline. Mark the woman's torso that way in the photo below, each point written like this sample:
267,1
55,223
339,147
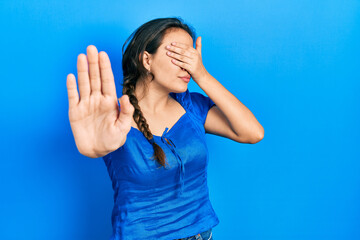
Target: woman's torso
153,202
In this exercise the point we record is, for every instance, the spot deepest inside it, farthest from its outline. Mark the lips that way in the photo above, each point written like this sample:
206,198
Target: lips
188,77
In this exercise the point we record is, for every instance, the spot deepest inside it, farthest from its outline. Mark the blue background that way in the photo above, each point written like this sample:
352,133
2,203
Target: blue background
294,64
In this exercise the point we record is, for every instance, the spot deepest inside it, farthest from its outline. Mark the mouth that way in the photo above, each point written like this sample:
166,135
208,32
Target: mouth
185,78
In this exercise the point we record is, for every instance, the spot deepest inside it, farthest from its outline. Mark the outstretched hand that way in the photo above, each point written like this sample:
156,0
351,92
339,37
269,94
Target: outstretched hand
96,122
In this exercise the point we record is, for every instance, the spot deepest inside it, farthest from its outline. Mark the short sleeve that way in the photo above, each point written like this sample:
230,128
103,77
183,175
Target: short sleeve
201,105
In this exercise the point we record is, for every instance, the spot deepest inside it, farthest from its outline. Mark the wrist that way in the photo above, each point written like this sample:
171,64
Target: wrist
203,77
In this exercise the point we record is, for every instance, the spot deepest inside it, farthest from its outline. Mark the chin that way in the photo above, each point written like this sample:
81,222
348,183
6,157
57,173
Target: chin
179,90
184,89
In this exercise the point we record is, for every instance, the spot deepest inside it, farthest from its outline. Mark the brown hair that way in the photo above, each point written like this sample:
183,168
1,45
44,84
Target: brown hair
147,37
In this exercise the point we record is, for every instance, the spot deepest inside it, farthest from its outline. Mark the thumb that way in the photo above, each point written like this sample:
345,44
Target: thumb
126,109
198,45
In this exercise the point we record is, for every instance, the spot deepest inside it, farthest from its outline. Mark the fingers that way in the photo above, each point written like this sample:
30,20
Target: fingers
90,79
72,90
93,59
107,76
83,76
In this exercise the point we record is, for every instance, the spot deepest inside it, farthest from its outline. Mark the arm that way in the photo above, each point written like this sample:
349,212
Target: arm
229,118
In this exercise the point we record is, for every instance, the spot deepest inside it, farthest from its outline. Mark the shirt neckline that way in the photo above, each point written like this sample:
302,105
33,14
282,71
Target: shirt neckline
169,131
173,126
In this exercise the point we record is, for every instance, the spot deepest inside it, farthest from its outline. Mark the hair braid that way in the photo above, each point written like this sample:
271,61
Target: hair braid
148,37
159,155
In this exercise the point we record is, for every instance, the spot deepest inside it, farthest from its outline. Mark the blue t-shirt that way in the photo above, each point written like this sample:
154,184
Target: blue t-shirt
156,203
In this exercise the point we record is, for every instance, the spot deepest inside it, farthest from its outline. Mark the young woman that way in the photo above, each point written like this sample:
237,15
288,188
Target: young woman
154,146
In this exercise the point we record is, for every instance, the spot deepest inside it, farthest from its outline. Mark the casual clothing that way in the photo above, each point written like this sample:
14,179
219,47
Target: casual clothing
154,203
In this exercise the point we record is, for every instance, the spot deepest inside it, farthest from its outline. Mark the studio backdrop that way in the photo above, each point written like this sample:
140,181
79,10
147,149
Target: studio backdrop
294,64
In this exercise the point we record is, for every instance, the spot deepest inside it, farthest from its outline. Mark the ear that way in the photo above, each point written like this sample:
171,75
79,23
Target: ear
146,60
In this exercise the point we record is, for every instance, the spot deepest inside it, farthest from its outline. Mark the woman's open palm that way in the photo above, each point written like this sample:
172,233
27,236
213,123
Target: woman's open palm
96,122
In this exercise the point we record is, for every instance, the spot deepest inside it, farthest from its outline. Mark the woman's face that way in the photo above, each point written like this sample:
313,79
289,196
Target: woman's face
166,73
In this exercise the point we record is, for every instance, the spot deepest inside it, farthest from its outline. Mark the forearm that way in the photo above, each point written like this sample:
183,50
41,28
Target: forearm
239,116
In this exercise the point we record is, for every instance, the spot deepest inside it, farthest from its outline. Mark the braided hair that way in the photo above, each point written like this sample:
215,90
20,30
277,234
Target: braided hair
147,37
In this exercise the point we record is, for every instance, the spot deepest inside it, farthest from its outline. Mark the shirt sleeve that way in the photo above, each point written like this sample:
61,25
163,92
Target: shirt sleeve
201,105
